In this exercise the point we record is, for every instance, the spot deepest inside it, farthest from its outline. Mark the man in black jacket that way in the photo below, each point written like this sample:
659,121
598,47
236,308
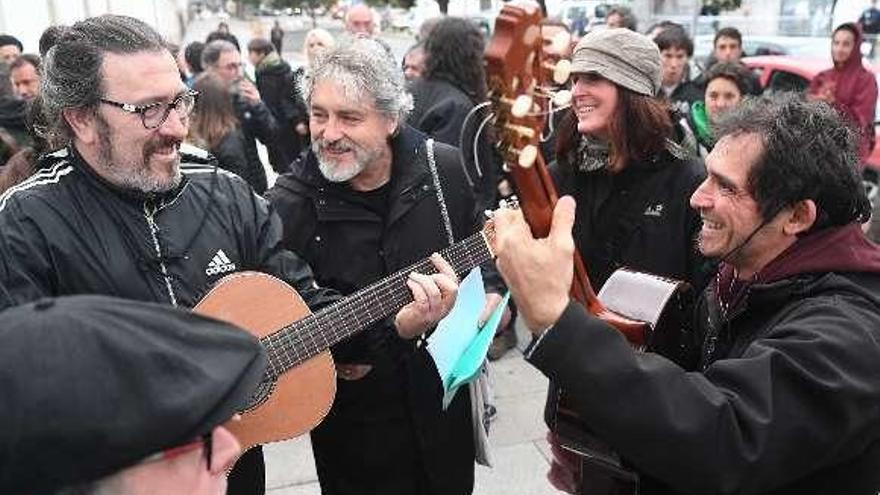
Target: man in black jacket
782,394
363,204
122,210
279,89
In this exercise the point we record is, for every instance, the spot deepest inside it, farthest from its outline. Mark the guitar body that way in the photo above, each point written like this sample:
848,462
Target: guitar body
303,395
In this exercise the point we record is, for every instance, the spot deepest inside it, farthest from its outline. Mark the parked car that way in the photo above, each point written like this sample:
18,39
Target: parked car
792,73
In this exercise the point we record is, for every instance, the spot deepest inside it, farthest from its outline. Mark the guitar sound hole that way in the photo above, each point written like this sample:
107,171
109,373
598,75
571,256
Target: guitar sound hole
263,391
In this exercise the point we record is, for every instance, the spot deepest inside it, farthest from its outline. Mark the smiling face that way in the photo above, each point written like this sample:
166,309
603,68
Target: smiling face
114,142
733,228
349,137
594,100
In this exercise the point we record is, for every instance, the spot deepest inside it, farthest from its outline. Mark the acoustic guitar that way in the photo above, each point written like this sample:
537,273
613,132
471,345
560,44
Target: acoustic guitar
298,387
522,97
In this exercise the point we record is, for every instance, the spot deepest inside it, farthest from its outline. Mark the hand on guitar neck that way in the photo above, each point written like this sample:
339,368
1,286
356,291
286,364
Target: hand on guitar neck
433,298
539,271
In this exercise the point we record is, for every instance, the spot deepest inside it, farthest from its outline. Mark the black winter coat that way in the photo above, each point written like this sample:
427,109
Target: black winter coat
386,433
786,402
279,90
257,122
67,231
440,110
233,154
624,219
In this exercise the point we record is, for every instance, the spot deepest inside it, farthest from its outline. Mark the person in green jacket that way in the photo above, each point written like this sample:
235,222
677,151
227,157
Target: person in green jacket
726,86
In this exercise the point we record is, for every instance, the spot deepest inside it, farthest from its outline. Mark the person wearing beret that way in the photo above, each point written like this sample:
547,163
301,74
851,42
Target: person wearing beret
121,208
622,153
105,395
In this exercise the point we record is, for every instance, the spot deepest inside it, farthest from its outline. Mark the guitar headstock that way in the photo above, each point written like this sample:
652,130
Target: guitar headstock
519,81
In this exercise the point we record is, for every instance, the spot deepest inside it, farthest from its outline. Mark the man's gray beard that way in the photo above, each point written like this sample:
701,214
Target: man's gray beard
137,179
335,173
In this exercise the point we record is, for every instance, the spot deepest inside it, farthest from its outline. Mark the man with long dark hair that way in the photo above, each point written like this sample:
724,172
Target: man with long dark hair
783,395
123,209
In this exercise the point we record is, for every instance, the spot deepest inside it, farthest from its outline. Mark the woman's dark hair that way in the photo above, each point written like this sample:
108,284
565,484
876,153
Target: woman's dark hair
454,52
809,152
638,130
734,72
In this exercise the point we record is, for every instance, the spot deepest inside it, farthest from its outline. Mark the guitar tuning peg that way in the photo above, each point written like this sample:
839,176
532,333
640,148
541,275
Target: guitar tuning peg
511,203
521,106
560,42
527,156
562,71
562,98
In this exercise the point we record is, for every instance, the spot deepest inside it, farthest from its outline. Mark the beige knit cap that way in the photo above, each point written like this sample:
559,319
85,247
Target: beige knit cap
624,57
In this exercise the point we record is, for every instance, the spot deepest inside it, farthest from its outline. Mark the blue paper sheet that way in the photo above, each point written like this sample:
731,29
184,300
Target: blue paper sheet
458,346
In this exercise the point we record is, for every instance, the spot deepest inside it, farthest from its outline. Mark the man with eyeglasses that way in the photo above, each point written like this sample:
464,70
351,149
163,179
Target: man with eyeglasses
222,58
127,432
122,209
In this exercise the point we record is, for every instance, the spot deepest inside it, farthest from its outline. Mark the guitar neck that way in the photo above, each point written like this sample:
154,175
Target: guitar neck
315,333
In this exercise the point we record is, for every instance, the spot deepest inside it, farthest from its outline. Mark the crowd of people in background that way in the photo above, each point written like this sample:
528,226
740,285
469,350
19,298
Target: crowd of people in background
382,161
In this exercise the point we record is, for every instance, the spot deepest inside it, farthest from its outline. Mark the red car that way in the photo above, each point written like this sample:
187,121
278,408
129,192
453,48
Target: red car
793,73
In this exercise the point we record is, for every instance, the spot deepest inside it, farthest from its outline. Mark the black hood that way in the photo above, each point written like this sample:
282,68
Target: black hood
13,112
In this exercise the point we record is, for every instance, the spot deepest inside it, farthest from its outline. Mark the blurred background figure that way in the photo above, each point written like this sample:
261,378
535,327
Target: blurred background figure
849,87
726,85
414,62
10,48
14,133
192,54
360,21
222,59
222,33
25,74
215,127
621,17
676,49
452,84
277,36
280,91
316,41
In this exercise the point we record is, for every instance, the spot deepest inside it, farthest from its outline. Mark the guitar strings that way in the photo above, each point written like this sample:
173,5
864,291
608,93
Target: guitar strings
301,339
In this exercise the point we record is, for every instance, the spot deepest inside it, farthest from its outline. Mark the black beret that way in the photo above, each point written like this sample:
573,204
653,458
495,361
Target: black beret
93,384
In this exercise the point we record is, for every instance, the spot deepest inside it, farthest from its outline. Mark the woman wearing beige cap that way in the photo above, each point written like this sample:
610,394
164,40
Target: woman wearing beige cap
620,155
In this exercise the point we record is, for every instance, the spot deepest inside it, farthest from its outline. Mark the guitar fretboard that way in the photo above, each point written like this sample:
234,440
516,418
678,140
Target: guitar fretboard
315,333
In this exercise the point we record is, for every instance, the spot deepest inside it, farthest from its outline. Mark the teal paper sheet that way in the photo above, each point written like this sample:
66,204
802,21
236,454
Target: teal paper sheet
458,346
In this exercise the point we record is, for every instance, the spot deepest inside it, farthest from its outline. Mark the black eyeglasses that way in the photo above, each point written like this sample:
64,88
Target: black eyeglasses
154,115
205,442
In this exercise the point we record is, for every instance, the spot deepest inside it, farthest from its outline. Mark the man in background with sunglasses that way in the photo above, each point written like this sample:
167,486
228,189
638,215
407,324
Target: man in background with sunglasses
138,408
122,210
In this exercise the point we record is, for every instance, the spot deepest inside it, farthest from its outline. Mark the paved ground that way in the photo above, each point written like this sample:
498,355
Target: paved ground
517,436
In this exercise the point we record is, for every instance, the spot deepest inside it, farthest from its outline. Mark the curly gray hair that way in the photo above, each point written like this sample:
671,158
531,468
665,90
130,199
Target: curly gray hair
364,68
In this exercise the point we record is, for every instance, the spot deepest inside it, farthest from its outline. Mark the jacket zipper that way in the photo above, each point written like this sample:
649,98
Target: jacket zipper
149,214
